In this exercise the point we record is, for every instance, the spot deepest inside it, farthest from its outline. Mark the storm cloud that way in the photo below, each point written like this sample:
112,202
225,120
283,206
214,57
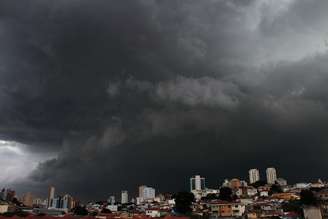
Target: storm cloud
107,95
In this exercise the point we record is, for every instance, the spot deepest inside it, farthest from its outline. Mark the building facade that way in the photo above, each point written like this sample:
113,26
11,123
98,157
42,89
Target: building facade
124,197
27,199
146,193
197,183
271,175
254,175
51,196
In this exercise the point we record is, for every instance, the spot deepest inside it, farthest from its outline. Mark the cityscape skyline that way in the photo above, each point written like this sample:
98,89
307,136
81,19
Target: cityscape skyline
143,192
212,183
234,198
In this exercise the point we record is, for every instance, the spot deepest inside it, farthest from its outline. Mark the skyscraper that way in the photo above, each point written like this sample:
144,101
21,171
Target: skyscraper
197,183
51,196
27,199
141,189
124,197
68,202
271,175
254,175
146,192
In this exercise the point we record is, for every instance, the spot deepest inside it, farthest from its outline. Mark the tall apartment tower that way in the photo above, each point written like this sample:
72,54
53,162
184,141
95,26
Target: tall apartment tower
51,196
197,183
141,190
124,197
271,175
254,175
146,193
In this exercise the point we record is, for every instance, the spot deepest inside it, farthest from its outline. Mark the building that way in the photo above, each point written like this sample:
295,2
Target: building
27,199
111,200
146,193
271,175
234,184
65,202
153,213
197,183
10,194
57,203
68,202
197,186
124,197
3,194
287,196
141,188
49,212
281,182
226,209
254,175
4,206
302,185
312,213
38,202
112,208
51,196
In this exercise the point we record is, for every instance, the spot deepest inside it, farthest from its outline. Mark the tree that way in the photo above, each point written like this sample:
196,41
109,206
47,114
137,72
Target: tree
210,196
22,214
94,213
308,198
225,194
258,183
16,202
105,211
275,188
292,206
80,210
8,214
183,202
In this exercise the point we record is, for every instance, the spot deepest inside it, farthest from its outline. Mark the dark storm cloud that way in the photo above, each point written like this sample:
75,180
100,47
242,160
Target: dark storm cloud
151,92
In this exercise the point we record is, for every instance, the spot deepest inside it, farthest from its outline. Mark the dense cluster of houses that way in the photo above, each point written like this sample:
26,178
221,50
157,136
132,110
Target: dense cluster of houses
265,201
234,199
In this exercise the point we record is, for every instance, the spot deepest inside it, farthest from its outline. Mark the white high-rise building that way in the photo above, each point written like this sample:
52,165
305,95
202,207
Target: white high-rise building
124,197
271,175
254,175
51,196
146,193
67,202
197,183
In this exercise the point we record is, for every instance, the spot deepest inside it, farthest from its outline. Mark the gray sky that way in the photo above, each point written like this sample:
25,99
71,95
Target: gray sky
101,96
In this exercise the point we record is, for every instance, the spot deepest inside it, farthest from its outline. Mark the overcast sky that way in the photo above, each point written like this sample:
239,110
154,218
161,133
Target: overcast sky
102,96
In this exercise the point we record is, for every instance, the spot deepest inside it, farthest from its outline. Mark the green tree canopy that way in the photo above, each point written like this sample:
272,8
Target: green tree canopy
183,202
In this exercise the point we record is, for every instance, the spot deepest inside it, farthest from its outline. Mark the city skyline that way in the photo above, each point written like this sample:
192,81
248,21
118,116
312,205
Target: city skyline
110,95
234,198
143,192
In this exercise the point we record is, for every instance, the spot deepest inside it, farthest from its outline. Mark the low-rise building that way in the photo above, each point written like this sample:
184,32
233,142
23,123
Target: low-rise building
238,209
287,196
312,213
251,191
281,182
226,209
112,208
4,206
156,212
